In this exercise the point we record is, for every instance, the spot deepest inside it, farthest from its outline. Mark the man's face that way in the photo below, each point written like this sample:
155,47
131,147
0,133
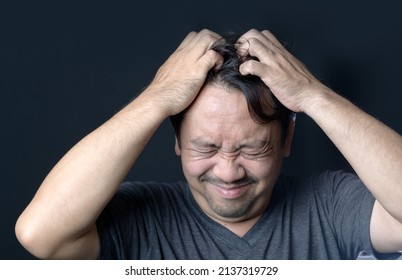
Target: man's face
230,162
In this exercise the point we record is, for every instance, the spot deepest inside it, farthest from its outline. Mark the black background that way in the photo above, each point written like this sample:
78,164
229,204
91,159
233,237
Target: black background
66,67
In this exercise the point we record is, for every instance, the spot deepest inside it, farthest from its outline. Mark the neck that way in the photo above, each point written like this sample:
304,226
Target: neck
241,228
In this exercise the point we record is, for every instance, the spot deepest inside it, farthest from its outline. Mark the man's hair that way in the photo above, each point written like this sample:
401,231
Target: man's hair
263,106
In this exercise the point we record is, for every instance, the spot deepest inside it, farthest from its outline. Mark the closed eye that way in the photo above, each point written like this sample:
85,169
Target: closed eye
203,148
204,153
249,155
257,152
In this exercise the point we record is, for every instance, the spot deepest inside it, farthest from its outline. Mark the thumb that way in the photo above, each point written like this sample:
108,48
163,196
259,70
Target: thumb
252,67
211,59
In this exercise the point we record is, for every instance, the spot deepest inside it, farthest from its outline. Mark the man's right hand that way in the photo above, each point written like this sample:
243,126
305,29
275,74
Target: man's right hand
60,221
180,78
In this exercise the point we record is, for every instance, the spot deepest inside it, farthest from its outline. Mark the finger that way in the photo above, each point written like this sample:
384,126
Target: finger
253,67
200,44
251,35
253,43
272,38
190,36
264,38
211,59
260,50
243,43
204,39
285,53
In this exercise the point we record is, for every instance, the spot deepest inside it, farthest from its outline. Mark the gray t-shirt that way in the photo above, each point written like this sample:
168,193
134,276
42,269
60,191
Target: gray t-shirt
321,216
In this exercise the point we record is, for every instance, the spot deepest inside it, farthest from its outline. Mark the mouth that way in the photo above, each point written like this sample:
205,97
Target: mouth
231,192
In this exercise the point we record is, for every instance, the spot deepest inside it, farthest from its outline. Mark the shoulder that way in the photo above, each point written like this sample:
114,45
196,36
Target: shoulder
328,178
151,187
327,186
136,200
148,192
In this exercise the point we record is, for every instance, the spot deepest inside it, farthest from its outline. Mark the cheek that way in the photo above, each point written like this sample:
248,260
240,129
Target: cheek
266,169
259,169
195,168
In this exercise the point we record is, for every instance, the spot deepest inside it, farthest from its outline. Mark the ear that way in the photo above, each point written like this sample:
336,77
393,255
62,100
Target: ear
177,148
287,145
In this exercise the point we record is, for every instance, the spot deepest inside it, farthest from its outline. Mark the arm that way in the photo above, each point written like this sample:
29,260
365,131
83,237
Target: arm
60,220
373,149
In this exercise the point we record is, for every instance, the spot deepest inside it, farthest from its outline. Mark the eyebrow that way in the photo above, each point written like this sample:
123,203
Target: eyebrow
199,142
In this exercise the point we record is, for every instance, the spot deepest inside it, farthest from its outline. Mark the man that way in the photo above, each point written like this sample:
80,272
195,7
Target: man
231,142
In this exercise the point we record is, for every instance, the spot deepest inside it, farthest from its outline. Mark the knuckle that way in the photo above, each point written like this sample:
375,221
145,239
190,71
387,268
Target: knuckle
249,66
266,32
211,58
254,41
250,33
252,64
253,31
207,34
204,30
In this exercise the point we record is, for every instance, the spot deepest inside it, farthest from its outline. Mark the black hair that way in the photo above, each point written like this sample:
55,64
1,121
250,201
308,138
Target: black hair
263,106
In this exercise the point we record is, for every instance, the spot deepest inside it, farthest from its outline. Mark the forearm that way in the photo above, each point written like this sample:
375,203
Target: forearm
64,210
373,149
74,193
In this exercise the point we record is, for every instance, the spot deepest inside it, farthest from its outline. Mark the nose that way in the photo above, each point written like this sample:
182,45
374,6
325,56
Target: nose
228,168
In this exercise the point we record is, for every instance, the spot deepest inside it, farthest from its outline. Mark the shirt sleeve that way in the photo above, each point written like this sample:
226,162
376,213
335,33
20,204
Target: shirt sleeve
134,222
349,204
120,225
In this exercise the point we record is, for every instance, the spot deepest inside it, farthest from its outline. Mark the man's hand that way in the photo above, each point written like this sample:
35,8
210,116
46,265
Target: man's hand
88,176
179,79
373,149
288,79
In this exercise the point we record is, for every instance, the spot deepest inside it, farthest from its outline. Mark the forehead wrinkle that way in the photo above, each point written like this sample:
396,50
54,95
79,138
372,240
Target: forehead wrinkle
234,142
